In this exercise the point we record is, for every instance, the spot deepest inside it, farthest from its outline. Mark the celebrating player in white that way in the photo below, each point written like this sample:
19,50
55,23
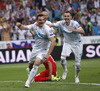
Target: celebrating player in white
41,51
72,42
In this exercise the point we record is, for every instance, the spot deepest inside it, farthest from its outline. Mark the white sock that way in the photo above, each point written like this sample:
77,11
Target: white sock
64,63
77,70
32,73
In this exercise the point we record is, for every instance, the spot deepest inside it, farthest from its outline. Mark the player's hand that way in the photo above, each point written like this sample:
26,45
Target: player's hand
45,57
70,28
50,77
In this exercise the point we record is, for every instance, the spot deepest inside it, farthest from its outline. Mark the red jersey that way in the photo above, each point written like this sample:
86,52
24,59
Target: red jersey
52,62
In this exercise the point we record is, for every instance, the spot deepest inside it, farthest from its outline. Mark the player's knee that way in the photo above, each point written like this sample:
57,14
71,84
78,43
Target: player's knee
63,60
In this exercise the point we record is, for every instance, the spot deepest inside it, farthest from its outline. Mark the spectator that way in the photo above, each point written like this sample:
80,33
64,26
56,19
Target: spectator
14,34
33,11
92,17
89,4
88,28
76,18
83,5
83,18
57,13
62,5
96,3
95,29
21,34
32,18
20,19
75,4
8,5
9,46
43,5
37,10
98,18
2,4
73,12
27,10
93,8
79,12
6,34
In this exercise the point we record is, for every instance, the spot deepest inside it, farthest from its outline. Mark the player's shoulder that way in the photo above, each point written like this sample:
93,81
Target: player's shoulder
48,22
74,22
46,26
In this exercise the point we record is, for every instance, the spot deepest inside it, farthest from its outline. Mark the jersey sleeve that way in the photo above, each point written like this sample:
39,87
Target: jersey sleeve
50,33
76,25
31,27
57,24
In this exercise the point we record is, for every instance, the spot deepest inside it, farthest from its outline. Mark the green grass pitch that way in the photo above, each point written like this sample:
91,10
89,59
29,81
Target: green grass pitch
13,77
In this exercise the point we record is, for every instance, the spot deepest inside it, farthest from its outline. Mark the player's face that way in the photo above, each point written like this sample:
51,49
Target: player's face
41,21
67,18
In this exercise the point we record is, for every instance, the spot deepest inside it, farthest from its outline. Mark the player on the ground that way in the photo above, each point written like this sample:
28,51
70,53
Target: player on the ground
40,53
72,43
50,64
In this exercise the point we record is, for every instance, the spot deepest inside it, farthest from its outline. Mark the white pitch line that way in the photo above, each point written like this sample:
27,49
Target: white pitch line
95,84
12,81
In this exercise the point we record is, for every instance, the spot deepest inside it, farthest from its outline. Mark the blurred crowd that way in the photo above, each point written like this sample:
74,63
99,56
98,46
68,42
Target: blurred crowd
86,12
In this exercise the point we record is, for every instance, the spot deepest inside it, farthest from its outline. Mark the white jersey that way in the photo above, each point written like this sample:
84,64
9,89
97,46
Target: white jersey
69,36
41,36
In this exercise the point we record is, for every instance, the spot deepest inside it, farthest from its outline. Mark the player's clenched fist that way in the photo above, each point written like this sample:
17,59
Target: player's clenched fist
18,24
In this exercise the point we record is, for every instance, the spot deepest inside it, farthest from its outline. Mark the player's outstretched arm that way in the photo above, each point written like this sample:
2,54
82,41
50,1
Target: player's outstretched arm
80,30
52,39
51,25
20,26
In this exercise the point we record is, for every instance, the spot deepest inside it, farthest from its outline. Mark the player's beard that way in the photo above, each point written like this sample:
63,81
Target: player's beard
67,23
40,24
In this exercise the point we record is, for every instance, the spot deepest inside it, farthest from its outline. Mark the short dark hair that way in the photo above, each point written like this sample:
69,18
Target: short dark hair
39,15
68,12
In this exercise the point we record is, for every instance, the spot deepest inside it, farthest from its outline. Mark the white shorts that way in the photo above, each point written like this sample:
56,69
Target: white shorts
76,49
36,54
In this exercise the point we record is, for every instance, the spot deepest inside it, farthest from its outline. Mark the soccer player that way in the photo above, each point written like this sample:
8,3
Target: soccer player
40,52
72,43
